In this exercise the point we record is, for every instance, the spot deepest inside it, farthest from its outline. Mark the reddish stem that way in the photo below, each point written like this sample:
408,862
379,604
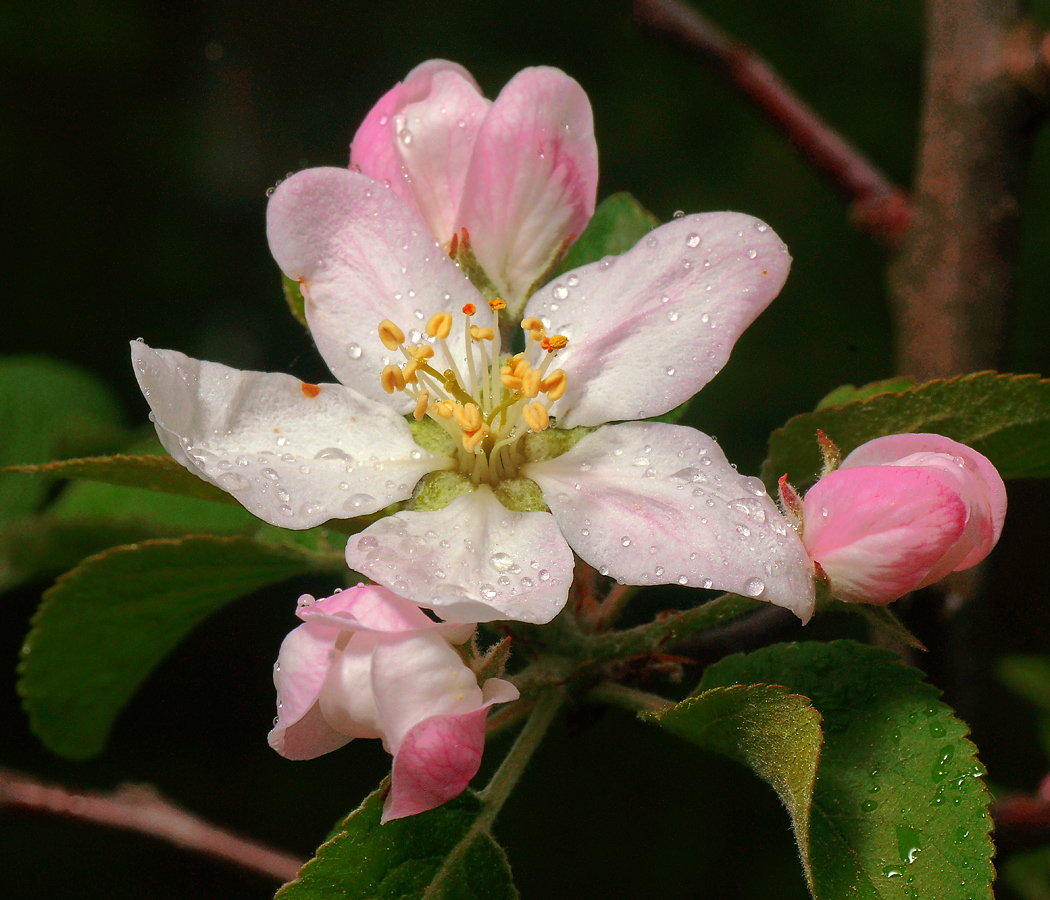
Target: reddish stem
877,205
140,808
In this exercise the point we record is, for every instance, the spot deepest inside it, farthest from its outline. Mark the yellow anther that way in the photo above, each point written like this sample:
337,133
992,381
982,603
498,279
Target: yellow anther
508,380
440,325
445,409
392,379
469,309
391,336
519,366
471,441
420,351
535,416
530,382
468,417
411,367
554,385
482,334
554,343
531,324
497,304
421,405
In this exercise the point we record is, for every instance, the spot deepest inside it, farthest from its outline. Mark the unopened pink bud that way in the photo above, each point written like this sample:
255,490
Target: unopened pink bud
901,513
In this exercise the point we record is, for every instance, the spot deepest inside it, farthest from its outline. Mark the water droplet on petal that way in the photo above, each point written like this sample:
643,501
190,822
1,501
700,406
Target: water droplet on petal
754,587
693,240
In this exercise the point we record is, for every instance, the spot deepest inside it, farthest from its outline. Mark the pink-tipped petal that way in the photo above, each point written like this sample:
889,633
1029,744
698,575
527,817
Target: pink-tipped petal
980,484
649,328
532,180
880,531
648,503
362,256
379,152
294,454
301,732
473,561
435,763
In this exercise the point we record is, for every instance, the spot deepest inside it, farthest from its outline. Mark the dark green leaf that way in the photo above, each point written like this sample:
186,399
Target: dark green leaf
618,224
899,809
104,626
1028,874
442,854
764,726
152,472
49,409
848,392
1005,417
1028,676
294,298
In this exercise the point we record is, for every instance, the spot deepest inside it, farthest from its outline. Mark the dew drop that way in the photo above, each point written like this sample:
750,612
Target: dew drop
692,240
331,453
672,316
488,592
625,541
559,292
670,370
754,587
233,481
353,351
678,213
572,280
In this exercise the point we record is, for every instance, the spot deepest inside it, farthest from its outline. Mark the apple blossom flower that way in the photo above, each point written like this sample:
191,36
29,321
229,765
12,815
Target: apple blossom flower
513,182
369,664
901,512
514,460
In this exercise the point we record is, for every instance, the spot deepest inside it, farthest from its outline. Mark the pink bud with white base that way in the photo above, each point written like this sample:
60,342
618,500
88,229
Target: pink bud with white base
367,663
900,513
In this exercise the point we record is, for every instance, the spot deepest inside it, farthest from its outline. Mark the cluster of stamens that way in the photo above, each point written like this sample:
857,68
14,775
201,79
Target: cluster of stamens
494,402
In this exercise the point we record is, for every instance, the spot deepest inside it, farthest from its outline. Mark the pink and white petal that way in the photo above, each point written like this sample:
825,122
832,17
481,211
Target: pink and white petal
980,483
376,609
417,677
300,731
346,700
649,328
473,561
435,140
435,763
532,181
361,256
878,531
496,690
648,503
295,455
374,149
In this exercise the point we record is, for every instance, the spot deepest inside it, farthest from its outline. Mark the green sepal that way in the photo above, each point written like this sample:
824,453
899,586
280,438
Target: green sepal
293,296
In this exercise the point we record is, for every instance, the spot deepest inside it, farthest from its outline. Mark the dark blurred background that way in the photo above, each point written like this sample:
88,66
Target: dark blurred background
137,141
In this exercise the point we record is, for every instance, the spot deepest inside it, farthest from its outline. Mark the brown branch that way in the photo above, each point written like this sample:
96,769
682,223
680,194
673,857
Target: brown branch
140,808
877,206
952,280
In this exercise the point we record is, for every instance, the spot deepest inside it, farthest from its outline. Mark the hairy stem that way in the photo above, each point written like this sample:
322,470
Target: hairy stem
630,698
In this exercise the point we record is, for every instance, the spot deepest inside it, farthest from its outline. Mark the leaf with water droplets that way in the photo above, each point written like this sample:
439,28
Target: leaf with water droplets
104,626
899,809
1005,417
441,854
618,224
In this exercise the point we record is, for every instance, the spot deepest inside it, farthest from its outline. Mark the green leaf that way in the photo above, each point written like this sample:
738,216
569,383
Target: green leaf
763,726
104,626
1028,874
1028,676
294,298
899,809
49,409
152,472
442,854
847,393
1005,417
618,224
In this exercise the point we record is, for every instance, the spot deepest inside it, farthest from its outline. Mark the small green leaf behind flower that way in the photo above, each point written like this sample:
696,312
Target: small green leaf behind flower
618,224
436,855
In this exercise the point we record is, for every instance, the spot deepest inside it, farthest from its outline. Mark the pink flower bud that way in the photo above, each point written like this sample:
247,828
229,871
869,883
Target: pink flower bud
367,663
901,513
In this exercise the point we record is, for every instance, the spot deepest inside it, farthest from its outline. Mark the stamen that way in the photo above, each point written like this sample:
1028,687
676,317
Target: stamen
440,325
468,417
531,324
536,416
530,383
554,343
469,309
420,352
554,385
421,405
392,379
391,336
481,334
445,409
471,441
410,370
496,304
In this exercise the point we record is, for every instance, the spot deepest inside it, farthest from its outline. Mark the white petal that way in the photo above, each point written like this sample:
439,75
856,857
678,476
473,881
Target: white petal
649,328
292,459
659,504
473,561
362,256
346,700
419,677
